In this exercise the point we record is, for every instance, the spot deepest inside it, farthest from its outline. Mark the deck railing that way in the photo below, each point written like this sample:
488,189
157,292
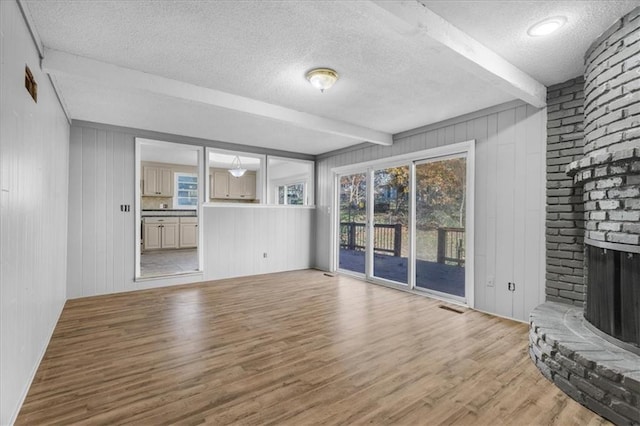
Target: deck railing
388,239
451,245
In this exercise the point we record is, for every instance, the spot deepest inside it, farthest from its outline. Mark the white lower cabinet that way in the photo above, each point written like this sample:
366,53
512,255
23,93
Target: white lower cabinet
170,237
188,232
152,236
161,233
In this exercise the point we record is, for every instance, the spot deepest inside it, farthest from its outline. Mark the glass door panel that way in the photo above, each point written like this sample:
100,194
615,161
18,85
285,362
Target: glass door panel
391,223
440,226
353,222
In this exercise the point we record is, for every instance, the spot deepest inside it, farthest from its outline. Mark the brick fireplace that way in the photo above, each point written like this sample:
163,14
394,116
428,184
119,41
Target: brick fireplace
586,338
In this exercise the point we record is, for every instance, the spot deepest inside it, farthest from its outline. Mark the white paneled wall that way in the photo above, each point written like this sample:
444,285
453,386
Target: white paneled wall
34,148
237,238
101,236
509,199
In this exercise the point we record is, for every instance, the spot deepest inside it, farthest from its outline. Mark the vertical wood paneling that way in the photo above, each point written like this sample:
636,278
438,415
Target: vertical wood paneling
449,135
491,195
129,232
99,223
101,235
535,216
509,212
74,282
432,139
480,131
34,149
109,214
105,240
441,136
118,238
505,220
88,212
519,211
237,237
505,229
460,132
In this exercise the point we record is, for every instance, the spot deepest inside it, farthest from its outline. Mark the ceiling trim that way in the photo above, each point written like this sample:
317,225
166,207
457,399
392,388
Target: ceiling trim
483,62
59,62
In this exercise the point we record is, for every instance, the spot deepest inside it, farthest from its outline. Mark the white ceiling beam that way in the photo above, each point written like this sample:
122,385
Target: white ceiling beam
59,62
488,65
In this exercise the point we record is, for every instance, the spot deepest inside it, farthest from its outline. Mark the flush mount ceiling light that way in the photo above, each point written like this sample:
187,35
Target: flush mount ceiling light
236,169
322,78
546,26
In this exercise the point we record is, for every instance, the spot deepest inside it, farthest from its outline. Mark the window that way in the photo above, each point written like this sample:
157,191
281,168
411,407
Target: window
290,181
266,179
225,187
186,196
292,194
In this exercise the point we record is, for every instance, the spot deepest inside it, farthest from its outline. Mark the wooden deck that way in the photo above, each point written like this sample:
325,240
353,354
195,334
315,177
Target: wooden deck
292,348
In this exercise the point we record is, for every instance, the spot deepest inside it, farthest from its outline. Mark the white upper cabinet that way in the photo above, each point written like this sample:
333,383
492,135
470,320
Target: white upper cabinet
157,181
225,186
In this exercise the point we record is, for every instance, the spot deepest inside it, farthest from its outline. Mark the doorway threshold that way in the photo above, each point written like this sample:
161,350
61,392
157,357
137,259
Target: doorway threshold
165,276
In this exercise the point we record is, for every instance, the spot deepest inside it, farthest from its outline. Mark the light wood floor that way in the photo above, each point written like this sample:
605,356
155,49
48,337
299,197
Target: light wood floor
293,348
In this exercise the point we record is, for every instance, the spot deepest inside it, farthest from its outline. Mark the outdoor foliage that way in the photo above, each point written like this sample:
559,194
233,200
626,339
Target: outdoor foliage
440,189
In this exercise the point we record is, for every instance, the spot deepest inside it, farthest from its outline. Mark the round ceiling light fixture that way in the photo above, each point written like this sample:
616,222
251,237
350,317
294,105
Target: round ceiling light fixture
547,26
322,78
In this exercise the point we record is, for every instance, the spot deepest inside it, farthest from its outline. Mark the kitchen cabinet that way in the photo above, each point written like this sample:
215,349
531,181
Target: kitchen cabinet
225,186
220,184
161,233
157,182
188,232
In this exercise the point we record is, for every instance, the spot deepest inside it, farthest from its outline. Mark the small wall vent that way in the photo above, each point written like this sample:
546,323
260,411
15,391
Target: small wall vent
30,84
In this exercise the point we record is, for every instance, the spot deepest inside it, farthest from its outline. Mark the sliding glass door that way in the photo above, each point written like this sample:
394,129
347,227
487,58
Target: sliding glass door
352,233
440,199
391,224
404,221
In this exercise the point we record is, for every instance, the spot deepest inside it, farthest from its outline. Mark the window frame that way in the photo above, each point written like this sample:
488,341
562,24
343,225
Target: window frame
286,192
307,179
176,203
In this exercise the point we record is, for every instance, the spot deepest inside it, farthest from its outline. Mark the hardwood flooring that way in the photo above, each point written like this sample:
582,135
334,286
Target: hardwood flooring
291,348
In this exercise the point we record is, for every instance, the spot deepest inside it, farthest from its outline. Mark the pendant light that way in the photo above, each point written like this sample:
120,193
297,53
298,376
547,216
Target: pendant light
236,169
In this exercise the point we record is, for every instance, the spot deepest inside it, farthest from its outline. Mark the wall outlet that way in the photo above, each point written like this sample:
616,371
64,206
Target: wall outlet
490,281
264,255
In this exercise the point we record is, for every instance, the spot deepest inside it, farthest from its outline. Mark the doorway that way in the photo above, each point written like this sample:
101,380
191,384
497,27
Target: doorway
169,195
407,221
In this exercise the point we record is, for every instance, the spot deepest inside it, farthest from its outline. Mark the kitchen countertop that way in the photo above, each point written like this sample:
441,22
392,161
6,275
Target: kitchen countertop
169,213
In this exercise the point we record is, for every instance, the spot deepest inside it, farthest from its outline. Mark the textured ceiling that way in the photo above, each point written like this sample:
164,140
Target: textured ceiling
503,25
393,77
